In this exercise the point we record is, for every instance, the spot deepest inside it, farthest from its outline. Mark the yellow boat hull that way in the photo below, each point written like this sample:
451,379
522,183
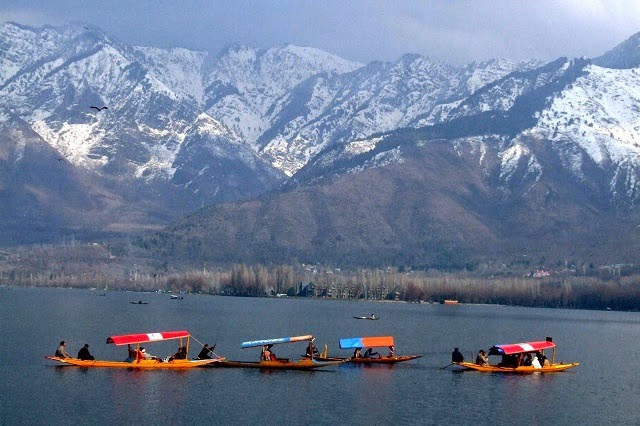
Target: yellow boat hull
523,369
303,364
146,364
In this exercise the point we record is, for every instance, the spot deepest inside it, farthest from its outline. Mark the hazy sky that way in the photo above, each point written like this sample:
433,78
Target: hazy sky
453,31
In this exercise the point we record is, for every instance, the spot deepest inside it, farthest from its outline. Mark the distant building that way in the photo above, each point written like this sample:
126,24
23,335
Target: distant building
306,289
539,273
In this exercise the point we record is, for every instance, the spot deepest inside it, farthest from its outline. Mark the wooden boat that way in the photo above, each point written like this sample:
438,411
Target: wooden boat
513,356
384,360
370,317
139,302
450,302
176,297
368,342
139,362
278,363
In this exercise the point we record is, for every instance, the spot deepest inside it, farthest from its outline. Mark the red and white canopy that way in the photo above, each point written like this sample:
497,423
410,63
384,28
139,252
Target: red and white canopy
517,348
128,339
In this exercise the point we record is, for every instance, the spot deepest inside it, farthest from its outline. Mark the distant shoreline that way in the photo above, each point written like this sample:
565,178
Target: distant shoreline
426,302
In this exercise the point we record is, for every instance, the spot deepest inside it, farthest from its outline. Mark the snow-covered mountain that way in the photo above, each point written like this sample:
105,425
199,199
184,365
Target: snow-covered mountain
188,129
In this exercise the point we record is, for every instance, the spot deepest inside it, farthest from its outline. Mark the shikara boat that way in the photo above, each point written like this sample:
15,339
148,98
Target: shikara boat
369,342
142,363
274,363
139,302
514,356
370,317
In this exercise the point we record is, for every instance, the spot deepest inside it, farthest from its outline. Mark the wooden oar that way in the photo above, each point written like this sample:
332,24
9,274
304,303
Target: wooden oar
446,366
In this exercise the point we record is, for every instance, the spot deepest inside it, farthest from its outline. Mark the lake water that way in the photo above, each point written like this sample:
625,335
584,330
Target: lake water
604,389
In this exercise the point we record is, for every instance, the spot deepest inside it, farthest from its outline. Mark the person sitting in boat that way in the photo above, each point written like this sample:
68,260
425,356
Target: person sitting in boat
204,353
312,349
181,354
61,352
132,354
356,353
143,354
544,361
527,360
535,362
482,358
84,354
372,316
456,356
392,351
267,354
369,353
510,361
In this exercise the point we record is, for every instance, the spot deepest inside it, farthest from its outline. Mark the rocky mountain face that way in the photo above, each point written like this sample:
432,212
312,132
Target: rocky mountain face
407,160
537,167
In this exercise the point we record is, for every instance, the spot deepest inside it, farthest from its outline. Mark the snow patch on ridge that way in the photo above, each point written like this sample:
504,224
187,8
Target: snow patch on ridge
361,146
511,159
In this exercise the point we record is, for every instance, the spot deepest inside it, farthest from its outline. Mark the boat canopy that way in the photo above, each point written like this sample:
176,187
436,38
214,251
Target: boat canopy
254,343
366,342
517,348
128,339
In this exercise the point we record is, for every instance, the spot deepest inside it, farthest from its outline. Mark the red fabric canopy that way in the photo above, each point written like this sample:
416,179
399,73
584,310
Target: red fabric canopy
516,348
127,339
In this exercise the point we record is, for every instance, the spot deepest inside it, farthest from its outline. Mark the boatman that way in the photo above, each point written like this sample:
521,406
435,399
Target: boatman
206,350
456,356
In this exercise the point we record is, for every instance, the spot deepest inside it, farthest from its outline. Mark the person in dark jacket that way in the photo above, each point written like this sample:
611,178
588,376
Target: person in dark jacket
456,356
206,350
84,354
181,354
369,353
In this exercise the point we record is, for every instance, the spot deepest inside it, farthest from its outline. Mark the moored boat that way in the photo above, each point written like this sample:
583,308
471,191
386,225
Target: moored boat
138,360
268,361
515,356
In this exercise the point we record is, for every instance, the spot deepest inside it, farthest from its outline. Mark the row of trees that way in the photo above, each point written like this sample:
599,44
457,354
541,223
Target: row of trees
615,292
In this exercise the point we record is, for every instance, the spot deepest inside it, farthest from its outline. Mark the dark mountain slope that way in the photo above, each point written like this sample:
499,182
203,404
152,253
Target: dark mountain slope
441,205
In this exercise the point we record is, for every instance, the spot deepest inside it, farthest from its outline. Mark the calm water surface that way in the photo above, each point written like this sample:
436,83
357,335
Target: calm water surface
604,389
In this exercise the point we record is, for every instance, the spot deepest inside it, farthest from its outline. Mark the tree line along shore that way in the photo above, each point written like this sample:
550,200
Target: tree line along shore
613,290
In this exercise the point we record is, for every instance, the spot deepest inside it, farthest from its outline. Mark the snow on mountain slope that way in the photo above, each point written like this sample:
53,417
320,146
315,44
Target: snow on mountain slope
152,97
411,92
288,104
244,83
600,113
179,69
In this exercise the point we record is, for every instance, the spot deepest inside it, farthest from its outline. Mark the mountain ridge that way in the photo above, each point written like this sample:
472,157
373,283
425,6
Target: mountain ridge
291,124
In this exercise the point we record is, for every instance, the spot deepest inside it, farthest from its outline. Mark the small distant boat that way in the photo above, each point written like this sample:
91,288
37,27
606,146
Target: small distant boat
138,302
370,342
513,359
176,297
137,361
450,302
274,363
370,317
